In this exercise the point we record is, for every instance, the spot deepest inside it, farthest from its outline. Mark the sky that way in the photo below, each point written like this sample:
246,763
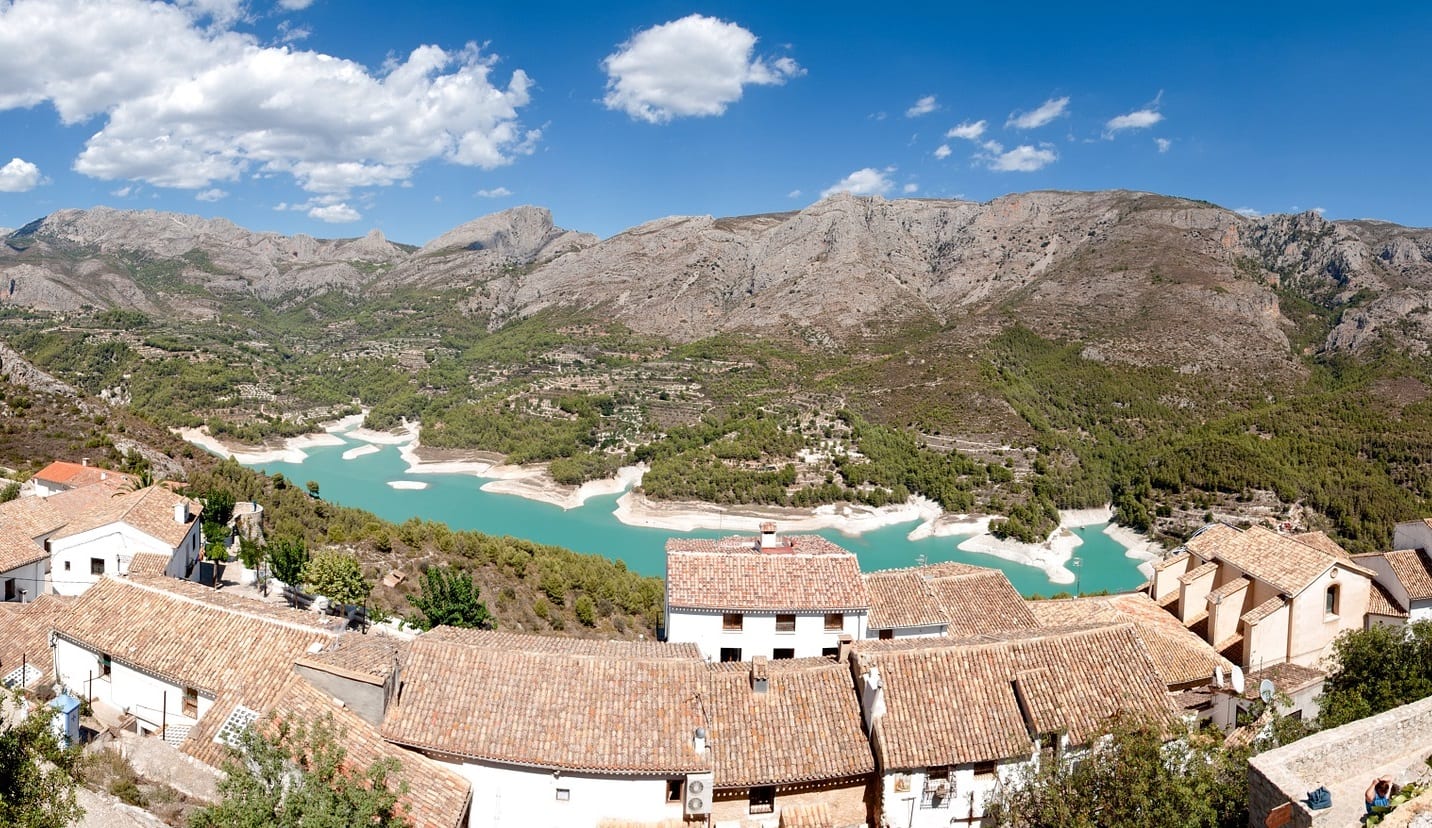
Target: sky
335,117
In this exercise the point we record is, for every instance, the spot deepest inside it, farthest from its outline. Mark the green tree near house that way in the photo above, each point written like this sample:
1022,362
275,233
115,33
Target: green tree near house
37,776
295,774
287,558
338,577
1132,780
1377,669
450,598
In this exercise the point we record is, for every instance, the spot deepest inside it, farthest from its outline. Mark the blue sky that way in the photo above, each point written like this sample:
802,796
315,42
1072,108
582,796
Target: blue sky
332,118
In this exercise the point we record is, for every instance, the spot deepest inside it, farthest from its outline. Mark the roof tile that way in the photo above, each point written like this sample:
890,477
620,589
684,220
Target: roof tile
807,572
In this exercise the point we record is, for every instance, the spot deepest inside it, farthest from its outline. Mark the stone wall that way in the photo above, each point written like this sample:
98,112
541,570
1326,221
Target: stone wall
1343,759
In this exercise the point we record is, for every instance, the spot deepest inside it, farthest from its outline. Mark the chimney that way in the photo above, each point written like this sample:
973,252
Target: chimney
768,535
760,681
84,461
842,654
698,740
104,475
181,512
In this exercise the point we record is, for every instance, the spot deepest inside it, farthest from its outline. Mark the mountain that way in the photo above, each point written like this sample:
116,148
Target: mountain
1140,278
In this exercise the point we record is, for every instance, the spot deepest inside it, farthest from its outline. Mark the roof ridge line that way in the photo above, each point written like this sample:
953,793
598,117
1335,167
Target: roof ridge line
293,625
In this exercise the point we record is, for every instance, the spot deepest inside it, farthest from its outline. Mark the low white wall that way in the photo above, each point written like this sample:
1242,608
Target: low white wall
508,796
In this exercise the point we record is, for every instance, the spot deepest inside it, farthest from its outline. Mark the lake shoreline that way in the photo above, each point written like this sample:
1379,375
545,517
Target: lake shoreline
633,508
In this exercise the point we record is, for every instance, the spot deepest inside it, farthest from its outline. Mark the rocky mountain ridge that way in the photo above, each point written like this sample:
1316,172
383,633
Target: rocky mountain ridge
1141,277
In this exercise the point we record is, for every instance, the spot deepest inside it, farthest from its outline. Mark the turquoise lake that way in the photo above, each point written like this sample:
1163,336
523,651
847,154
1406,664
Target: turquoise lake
458,501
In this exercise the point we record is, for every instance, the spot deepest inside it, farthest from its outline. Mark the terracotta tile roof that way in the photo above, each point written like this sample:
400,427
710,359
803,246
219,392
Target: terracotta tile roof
598,706
1381,602
1286,678
25,633
150,510
1198,572
1228,589
16,550
30,517
372,657
1413,568
75,475
806,726
190,634
970,600
954,702
1321,542
436,798
148,565
1180,655
1170,561
810,815
1263,610
810,573
1287,563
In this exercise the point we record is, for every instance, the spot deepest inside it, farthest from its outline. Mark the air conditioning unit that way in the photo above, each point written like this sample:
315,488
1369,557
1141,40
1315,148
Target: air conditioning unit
699,791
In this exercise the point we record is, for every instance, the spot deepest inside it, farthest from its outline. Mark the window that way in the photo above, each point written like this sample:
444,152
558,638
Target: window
835,620
105,664
564,794
830,652
763,800
785,623
96,566
783,652
9,589
730,653
985,768
732,621
886,635
67,566
1330,601
938,788
673,790
191,702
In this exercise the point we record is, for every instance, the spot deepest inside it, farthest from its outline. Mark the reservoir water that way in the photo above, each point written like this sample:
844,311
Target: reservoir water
458,501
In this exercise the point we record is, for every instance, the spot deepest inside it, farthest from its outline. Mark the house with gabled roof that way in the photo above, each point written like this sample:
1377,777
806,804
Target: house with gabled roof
63,476
771,595
1263,598
195,666
952,719
786,740
559,731
25,524
25,641
944,599
1404,574
103,532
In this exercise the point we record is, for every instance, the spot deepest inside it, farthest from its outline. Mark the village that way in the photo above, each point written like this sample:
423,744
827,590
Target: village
789,688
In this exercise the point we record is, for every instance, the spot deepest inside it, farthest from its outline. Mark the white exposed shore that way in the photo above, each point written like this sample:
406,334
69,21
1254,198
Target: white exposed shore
635,509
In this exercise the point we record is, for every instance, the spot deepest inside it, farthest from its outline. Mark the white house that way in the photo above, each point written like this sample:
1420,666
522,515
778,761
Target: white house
103,532
25,641
1262,598
773,596
944,599
949,720
1405,573
555,732
62,476
24,560
195,666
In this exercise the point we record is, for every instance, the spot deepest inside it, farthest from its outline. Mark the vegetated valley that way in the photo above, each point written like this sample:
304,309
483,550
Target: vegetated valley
1037,352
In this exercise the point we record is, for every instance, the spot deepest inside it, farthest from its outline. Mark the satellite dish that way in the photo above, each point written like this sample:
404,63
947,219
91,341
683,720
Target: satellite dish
1237,680
1218,676
1265,691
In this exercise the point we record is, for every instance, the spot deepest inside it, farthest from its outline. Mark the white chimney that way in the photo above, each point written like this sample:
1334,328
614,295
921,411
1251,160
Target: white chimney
181,512
84,461
698,740
768,535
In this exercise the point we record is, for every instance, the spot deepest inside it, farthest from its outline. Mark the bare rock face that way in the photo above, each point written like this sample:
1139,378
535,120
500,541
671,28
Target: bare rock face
488,247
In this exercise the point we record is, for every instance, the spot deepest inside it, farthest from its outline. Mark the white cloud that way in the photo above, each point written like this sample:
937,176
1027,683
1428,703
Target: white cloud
992,146
793,194
867,181
910,188
695,66
295,5
924,106
942,151
184,105
339,213
495,192
124,192
1023,158
212,194
1163,144
968,131
1138,119
1046,112
19,176
1249,212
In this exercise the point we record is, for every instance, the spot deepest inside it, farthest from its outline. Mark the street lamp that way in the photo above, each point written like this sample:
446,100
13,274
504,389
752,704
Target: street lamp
1077,563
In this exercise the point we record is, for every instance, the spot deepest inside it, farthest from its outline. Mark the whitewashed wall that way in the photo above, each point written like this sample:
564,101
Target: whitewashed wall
965,805
758,635
126,688
30,577
508,796
116,544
